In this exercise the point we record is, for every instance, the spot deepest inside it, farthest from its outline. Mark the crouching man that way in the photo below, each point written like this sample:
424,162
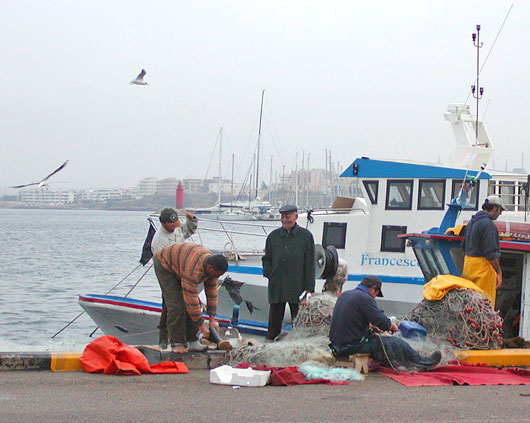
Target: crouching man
355,327
180,269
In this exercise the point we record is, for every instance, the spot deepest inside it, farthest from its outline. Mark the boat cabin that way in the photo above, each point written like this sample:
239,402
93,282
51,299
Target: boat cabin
397,198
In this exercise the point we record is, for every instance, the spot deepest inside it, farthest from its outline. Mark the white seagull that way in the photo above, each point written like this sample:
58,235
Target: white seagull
43,183
139,80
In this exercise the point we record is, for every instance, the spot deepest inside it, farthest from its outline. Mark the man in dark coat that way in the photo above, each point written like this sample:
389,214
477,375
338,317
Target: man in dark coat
289,264
355,326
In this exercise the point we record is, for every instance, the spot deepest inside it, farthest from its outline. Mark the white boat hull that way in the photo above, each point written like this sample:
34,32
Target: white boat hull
135,322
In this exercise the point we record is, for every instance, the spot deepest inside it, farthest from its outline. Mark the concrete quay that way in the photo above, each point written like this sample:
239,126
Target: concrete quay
69,361
72,397
212,359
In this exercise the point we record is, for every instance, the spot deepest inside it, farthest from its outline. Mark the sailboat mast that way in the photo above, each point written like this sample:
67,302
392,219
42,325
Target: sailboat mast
308,181
259,138
270,184
219,180
296,181
232,186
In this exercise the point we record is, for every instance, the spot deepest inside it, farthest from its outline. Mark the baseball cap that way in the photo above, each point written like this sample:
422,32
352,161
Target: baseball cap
495,200
168,215
372,280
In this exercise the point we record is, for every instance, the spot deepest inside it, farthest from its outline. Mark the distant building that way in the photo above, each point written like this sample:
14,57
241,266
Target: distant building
194,185
38,197
147,186
101,195
316,180
167,186
225,186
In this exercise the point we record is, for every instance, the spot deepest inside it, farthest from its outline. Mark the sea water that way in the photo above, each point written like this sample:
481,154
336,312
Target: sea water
50,257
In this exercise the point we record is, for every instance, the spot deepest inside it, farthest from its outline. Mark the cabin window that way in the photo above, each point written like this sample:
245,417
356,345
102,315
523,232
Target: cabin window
334,234
491,187
432,195
390,240
399,195
507,194
457,184
522,189
372,188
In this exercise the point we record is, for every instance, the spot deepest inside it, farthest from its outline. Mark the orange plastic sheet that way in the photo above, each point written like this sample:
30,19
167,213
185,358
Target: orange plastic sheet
109,356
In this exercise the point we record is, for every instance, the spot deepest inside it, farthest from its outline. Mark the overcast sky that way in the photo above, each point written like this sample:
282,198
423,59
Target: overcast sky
359,78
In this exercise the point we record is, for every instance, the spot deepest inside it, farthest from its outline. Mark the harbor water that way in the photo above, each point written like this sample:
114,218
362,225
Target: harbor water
50,257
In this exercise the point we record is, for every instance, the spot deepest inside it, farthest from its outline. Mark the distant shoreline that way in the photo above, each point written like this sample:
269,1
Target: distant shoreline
19,206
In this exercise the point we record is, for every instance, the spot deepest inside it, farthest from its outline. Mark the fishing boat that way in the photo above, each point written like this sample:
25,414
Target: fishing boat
439,252
398,197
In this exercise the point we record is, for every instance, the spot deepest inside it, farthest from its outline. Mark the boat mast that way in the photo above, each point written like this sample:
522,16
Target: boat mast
219,180
331,181
259,137
250,183
308,181
232,186
270,184
477,90
296,181
302,175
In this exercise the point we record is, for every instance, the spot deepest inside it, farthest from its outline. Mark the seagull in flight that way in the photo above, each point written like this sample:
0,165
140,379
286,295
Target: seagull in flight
139,80
43,183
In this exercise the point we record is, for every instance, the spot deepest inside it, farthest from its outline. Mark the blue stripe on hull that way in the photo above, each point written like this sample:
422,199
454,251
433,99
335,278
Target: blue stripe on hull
410,280
250,270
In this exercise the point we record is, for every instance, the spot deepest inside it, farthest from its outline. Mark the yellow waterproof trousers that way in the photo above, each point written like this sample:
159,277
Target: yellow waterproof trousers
480,271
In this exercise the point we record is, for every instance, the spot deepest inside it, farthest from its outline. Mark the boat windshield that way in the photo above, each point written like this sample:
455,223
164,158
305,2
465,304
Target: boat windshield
431,262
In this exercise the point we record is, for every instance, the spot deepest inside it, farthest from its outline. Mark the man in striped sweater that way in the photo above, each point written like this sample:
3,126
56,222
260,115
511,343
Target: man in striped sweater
180,269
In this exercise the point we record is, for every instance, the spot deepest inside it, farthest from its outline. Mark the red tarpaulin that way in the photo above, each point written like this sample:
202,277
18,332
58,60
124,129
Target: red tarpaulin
459,375
288,376
109,356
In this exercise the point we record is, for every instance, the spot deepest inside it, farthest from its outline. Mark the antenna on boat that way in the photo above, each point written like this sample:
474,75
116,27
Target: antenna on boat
477,90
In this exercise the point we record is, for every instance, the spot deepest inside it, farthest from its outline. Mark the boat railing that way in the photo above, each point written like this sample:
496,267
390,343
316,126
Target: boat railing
331,210
229,229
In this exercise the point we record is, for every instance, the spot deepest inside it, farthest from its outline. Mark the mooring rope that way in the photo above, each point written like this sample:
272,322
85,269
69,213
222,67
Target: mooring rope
83,312
128,292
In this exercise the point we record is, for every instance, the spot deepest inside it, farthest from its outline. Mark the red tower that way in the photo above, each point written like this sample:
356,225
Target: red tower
180,196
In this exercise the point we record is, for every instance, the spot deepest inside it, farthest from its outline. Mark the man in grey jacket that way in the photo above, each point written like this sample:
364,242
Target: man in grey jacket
289,264
170,232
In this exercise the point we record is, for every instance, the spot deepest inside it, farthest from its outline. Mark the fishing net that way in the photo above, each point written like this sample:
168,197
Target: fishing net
308,340
463,318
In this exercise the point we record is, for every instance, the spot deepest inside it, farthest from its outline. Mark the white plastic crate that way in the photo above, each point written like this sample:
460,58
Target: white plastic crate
227,375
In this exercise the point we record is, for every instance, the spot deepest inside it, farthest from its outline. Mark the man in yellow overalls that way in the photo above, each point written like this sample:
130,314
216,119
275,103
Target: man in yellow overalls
481,248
